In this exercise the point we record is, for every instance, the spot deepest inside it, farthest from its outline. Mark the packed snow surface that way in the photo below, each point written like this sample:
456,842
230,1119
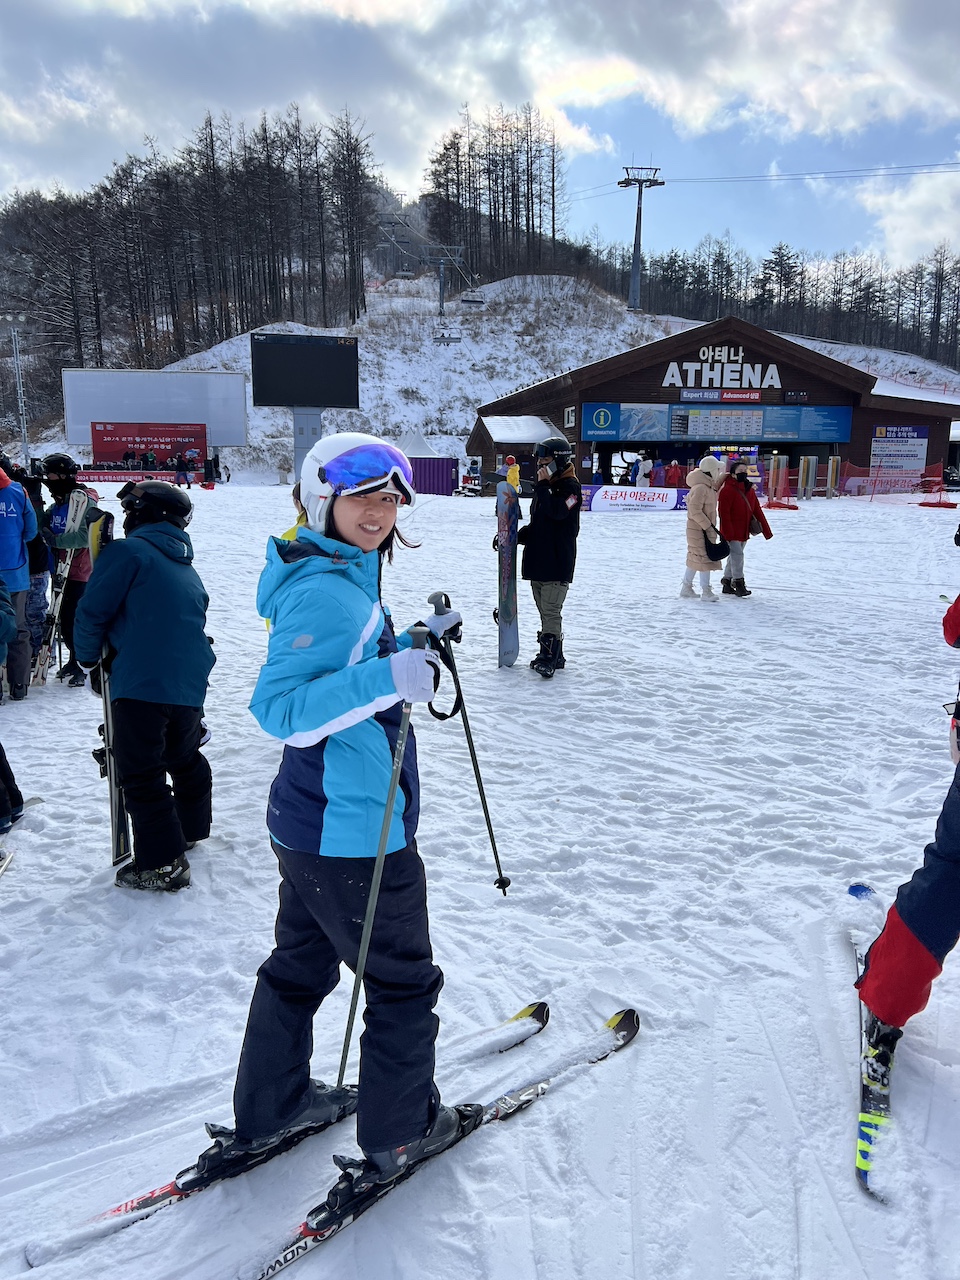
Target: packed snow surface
681,811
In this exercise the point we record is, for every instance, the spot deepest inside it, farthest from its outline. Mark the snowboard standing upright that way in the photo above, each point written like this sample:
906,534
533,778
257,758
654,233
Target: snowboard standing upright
508,515
121,848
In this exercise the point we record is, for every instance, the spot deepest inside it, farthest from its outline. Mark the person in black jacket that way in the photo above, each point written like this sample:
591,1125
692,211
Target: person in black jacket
549,543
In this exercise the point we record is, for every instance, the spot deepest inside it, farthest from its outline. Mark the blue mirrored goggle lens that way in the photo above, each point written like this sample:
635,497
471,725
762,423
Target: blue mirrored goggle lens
367,465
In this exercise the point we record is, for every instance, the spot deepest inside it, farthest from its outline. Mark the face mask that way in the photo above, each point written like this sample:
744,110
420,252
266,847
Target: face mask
740,477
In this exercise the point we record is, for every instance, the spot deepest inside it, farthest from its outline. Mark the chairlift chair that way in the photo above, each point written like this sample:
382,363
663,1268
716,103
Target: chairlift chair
473,298
445,334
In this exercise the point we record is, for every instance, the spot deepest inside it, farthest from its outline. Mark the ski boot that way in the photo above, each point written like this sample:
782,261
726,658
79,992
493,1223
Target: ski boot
536,658
70,668
727,587
168,879
546,661
228,1157
18,692
363,1182
740,588
78,680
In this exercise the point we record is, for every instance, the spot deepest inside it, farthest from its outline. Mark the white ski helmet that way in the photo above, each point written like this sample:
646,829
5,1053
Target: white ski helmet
351,462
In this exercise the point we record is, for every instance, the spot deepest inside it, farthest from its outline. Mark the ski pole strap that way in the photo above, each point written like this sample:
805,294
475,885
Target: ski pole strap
441,605
447,660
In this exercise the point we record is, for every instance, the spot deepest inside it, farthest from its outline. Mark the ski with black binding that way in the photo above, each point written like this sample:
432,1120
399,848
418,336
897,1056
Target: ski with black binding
121,847
875,1114
344,1204
529,1021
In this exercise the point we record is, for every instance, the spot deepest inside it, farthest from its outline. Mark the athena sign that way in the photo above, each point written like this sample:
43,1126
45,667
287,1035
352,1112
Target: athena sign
721,367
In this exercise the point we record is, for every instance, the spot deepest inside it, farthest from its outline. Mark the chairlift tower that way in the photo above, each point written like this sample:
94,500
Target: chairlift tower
439,256
14,321
641,178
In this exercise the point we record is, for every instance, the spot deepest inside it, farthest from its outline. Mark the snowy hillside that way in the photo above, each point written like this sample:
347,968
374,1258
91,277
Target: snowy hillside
680,810
532,327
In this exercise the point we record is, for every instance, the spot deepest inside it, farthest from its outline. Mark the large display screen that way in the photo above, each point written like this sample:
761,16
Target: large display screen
827,424
304,370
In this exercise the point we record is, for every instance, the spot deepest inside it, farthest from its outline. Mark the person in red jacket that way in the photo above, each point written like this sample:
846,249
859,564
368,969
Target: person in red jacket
922,925
740,515
673,476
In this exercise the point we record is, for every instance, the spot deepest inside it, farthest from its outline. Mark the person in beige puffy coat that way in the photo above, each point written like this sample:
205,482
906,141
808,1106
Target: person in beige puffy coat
703,481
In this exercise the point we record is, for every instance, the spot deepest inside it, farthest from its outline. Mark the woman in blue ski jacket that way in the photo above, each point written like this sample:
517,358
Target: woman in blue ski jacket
332,690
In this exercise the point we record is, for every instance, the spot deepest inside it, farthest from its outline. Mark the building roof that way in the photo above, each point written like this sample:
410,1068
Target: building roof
882,393
522,429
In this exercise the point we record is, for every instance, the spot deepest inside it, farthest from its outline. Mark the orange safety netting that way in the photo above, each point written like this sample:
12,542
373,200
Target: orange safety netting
871,481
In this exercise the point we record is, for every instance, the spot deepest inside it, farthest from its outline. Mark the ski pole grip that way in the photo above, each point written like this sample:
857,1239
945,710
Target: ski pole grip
419,635
440,602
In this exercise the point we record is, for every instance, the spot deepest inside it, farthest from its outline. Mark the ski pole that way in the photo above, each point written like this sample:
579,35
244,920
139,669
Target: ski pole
419,642
441,605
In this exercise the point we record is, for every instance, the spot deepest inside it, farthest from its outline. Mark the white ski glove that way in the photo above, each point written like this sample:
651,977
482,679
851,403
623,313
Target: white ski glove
441,623
415,672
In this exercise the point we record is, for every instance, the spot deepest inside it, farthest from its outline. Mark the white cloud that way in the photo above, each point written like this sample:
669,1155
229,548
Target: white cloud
419,14
914,216
84,80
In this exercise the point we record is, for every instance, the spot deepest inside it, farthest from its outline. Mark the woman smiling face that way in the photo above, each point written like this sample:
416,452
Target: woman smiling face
365,519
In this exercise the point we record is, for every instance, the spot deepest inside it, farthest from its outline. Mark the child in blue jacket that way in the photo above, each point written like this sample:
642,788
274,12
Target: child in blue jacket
332,690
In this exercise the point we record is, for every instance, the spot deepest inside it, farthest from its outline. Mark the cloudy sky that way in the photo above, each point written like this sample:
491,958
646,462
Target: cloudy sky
705,89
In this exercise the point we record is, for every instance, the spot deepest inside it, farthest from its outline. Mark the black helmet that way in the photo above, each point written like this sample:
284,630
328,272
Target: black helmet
558,447
154,500
60,463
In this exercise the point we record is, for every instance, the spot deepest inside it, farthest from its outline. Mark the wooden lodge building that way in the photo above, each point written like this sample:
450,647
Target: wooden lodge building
727,384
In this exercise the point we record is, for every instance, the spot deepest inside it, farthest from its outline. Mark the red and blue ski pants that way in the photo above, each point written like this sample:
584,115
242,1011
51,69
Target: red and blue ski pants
921,928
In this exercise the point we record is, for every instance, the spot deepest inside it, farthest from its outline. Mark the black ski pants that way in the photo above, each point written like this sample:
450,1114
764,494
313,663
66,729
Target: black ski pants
73,590
151,740
323,902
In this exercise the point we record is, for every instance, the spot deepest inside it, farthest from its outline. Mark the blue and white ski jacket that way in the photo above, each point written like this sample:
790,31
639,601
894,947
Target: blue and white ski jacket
327,692
18,526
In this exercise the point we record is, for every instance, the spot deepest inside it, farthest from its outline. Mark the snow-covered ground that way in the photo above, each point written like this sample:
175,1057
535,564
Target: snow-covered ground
680,811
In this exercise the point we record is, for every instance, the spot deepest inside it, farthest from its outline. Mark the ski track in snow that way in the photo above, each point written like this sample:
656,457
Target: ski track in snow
680,812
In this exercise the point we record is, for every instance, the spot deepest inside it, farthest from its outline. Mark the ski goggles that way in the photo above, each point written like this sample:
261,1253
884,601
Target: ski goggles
369,467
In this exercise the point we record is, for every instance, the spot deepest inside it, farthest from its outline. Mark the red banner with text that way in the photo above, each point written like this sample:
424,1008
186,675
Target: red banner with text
111,440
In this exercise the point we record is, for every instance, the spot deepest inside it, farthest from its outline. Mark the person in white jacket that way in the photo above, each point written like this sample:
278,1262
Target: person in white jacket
703,481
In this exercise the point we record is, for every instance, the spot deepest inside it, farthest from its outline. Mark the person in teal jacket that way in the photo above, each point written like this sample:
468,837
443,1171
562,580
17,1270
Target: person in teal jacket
146,603
331,690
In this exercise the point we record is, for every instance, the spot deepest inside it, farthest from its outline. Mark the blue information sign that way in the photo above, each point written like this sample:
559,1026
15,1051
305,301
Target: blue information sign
823,424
